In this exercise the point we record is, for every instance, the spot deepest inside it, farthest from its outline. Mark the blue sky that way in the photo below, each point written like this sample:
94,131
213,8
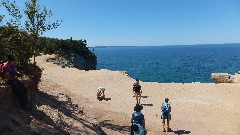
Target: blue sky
146,22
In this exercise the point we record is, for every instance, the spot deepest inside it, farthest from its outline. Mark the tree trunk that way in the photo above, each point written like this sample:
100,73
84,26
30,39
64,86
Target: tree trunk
34,52
34,49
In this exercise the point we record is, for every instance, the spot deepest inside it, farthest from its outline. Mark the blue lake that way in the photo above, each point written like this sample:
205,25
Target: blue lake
181,63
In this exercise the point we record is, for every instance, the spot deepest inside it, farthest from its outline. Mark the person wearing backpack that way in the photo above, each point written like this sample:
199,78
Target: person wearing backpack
138,121
10,74
166,114
137,91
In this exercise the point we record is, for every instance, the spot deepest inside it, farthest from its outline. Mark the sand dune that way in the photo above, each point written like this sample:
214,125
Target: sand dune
197,108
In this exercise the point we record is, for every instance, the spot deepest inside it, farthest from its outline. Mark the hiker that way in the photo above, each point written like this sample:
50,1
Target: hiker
100,94
166,114
138,121
10,74
137,91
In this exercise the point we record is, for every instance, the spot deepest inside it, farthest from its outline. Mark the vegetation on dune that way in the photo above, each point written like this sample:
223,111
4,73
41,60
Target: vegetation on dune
64,47
21,31
32,19
20,35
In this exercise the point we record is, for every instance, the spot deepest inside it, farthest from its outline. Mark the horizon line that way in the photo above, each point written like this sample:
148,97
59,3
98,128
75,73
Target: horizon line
102,46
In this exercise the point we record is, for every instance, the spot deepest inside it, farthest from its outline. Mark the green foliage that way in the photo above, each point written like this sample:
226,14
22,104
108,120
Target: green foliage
36,23
19,34
63,47
36,20
13,11
21,37
1,18
15,42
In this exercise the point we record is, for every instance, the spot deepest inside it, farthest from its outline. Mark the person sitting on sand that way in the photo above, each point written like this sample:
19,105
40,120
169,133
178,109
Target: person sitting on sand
10,74
137,91
166,114
100,94
138,121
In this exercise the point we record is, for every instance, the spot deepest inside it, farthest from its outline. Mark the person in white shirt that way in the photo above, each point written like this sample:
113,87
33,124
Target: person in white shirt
100,93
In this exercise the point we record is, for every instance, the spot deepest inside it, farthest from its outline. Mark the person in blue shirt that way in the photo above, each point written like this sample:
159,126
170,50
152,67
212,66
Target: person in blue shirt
138,121
166,114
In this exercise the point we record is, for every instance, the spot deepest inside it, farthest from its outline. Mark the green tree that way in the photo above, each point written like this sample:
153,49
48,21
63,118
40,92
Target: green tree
16,42
13,38
36,22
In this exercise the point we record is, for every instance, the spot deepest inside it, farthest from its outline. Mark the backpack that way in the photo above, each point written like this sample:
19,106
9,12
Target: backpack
134,127
165,109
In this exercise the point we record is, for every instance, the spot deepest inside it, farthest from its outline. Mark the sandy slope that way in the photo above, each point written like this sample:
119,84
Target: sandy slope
196,108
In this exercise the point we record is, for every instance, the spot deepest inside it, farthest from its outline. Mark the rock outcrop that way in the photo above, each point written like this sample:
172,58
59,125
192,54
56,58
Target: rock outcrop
75,61
222,78
82,63
72,59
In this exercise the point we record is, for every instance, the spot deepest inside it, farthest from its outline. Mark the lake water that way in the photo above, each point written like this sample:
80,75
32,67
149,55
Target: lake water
166,64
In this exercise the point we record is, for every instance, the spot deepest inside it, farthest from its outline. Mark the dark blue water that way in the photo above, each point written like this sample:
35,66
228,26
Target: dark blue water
171,63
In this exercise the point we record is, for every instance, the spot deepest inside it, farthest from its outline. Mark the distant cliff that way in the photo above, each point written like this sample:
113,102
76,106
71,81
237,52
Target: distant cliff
80,62
75,52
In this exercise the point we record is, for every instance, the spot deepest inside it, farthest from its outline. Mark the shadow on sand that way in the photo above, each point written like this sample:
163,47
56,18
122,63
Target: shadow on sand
147,104
118,128
64,108
142,96
181,132
49,114
106,99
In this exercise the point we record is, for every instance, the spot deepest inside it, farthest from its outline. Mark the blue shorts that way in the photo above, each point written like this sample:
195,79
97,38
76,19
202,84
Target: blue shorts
168,116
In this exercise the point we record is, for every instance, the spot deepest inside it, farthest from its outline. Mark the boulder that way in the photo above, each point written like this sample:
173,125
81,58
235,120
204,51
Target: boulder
222,78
